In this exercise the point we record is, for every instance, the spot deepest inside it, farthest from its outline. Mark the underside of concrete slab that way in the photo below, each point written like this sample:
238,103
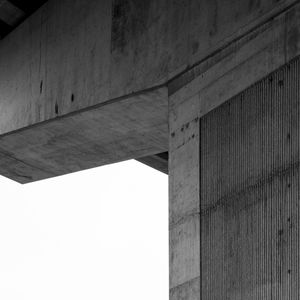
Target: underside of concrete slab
158,161
86,83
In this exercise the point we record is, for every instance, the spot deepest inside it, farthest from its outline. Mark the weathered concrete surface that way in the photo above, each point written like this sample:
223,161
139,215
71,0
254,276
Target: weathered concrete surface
184,203
240,64
234,191
86,83
250,192
79,55
101,50
87,139
196,251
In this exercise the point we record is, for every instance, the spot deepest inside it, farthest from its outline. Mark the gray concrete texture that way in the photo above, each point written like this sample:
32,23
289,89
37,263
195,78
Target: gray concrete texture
234,195
213,83
89,75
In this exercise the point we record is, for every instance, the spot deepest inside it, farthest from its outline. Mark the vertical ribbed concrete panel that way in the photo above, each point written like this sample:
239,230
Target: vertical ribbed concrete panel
249,185
234,195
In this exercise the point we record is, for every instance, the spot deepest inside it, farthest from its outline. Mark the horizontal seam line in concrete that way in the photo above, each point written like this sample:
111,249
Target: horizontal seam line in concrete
185,283
227,45
183,219
235,194
259,183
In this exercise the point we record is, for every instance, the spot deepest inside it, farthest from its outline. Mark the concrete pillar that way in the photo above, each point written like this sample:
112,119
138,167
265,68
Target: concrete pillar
234,193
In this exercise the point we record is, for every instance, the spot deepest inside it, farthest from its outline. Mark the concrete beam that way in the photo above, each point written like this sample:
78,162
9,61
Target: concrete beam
123,129
158,161
70,60
98,51
258,53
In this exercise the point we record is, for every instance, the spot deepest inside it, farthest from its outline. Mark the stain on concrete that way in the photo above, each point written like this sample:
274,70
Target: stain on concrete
56,108
129,22
195,47
41,86
280,83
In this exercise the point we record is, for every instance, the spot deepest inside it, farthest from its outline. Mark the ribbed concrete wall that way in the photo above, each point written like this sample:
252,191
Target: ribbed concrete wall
247,157
250,192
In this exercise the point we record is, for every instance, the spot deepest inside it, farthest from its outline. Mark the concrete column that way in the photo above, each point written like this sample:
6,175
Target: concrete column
234,193
184,157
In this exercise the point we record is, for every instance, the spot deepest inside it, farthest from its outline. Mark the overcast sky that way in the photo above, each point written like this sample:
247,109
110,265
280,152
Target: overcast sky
96,234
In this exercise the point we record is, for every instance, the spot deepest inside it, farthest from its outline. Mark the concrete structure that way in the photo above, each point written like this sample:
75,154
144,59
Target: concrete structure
216,84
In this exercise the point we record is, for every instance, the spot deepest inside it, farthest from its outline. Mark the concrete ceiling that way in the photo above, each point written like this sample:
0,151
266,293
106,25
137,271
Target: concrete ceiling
14,12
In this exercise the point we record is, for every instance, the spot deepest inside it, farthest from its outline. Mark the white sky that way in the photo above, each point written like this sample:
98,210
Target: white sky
96,234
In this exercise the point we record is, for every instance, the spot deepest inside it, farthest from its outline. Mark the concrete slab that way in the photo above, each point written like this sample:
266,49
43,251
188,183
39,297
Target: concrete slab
122,129
75,56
